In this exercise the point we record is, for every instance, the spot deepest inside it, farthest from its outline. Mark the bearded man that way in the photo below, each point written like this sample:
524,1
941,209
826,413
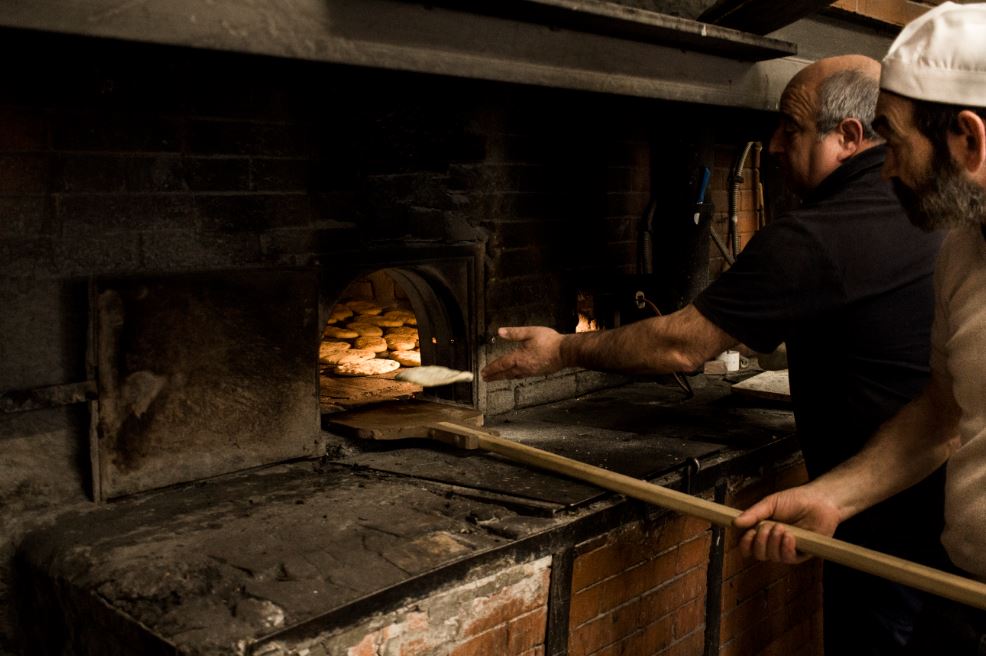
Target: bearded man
932,112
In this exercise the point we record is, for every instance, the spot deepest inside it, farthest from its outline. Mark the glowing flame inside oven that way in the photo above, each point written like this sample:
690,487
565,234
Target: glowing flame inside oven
586,324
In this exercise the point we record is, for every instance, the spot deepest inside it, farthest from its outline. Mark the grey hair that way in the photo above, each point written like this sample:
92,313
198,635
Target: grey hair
847,94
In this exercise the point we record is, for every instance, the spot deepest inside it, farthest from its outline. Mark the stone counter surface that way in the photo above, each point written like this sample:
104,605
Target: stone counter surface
232,564
219,565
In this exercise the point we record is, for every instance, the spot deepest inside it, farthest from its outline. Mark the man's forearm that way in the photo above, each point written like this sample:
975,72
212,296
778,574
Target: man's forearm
678,342
905,450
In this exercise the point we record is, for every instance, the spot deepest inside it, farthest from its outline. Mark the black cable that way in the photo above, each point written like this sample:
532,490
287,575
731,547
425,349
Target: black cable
678,378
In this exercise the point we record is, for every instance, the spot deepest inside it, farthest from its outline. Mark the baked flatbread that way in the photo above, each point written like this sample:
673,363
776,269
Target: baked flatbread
406,358
373,367
375,344
434,376
329,345
365,329
383,322
399,342
352,355
364,307
404,316
325,348
339,333
404,330
341,310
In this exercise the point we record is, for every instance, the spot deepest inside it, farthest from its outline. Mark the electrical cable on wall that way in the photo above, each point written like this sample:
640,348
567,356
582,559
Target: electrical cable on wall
735,180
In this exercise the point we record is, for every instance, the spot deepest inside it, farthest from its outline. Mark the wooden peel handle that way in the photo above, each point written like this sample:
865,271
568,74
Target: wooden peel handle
944,584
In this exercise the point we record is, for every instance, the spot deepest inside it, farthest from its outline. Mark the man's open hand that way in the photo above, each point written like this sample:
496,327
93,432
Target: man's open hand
538,354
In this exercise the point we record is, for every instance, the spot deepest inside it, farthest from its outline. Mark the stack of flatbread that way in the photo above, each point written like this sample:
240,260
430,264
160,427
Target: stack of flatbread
363,338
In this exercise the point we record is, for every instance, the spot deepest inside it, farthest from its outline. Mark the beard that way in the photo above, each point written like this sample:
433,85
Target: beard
943,198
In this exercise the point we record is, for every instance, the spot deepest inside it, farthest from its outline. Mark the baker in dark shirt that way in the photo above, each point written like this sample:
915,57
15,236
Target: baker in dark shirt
846,283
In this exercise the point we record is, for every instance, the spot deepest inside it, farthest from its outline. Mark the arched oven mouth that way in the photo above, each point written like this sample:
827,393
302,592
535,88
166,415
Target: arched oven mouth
386,321
432,290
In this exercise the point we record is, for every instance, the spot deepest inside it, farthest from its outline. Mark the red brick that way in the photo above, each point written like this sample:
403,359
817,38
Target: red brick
625,548
528,631
735,620
691,645
734,561
751,581
646,640
803,638
604,630
755,637
748,642
802,581
688,618
746,222
537,651
485,644
694,553
366,647
498,609
693,526
656,636
601,597
675,594
416,647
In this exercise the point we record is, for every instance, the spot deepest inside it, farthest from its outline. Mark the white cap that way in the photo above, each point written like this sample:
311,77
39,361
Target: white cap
940,56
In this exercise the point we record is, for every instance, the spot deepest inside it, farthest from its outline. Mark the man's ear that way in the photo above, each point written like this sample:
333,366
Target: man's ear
851,138
969,145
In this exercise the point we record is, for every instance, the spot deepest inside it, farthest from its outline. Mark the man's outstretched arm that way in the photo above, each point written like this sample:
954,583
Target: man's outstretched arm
681,341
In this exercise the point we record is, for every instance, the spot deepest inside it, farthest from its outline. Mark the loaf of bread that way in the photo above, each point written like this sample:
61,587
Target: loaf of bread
373,367
339,333
375,344
365,329
399,342
406,358
351,355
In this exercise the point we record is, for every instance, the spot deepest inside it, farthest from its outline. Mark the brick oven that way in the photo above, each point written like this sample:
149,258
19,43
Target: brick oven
189,195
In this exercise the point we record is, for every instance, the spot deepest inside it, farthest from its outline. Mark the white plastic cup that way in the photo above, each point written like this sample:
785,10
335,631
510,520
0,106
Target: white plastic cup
731,358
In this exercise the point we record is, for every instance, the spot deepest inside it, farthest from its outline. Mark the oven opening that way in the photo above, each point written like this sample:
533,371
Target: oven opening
381,323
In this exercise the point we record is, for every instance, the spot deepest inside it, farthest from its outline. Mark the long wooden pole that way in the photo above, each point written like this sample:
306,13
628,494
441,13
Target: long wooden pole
944,584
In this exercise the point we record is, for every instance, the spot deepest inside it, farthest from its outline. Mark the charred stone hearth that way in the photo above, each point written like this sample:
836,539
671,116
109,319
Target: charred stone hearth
286,559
